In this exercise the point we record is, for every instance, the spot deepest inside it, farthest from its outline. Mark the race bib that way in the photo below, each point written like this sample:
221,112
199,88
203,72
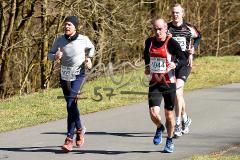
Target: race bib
182,42
69,73
158,65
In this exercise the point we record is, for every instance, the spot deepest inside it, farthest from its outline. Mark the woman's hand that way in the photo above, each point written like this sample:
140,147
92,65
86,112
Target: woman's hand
58,54
88,63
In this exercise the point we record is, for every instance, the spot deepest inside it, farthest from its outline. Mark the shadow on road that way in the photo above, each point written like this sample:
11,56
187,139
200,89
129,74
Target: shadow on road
52,149
132,134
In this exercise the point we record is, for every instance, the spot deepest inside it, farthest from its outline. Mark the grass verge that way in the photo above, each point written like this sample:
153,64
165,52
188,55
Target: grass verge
208,157
230,153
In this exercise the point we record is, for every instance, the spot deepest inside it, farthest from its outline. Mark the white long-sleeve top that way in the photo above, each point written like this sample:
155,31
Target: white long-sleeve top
74,52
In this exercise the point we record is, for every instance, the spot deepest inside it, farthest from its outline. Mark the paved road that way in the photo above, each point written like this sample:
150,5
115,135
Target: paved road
126,133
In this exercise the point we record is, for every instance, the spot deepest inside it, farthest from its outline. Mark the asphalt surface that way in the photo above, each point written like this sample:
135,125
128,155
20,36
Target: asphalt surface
126,133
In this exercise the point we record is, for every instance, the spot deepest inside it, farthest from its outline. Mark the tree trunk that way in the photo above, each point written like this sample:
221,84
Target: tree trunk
218,25
3,49
44,47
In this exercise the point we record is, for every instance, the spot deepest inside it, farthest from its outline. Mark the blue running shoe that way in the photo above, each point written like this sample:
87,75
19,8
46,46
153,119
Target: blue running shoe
157,139
169,147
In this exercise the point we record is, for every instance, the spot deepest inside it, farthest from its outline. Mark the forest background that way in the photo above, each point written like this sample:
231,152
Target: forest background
118,29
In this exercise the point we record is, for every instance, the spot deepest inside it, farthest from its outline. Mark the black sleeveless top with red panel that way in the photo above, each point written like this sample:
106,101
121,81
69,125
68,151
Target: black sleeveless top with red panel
158,54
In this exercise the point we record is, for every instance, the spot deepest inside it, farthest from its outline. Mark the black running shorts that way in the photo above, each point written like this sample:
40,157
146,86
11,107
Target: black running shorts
158,91
182,72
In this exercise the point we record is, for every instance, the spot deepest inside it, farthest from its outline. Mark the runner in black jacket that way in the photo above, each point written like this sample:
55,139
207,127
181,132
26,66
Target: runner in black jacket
189,38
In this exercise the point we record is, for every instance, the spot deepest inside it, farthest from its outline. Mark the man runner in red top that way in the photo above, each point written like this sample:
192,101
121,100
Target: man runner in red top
159,54
184,34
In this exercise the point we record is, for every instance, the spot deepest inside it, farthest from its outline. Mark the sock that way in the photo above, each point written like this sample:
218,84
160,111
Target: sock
178,121
184,117
161,127
169,138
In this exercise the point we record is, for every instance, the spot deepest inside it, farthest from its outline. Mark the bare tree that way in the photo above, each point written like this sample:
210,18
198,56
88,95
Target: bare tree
44,48
5,42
